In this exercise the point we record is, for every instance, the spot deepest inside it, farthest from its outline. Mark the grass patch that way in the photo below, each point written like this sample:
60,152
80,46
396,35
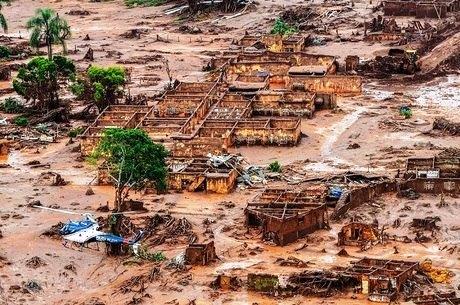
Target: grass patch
134,3
11,105
21,121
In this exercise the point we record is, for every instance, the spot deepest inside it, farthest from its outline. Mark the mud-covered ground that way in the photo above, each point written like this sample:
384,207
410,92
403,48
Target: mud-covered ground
371,120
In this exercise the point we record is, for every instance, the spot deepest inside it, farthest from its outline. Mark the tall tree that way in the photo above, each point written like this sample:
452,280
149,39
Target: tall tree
3,23
103,86
133,161
38,81
47,26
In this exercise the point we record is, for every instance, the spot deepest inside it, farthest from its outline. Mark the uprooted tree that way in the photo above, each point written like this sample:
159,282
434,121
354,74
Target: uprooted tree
101,86
39,81
133,162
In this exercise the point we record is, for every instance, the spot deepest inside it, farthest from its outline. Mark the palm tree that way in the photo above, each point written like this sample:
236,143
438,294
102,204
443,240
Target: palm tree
3,23
47,26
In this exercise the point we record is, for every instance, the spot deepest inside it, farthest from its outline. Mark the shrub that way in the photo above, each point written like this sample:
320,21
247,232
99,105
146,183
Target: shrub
282,28
21,121
4,52
75,132
11,105
134,3
275,167
406,112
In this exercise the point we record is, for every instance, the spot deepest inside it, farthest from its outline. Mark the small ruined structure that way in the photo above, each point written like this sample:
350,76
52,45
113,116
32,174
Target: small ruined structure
274,43
284,216
385,29
203,174
200,254
421,8
382,280
439,174
358,234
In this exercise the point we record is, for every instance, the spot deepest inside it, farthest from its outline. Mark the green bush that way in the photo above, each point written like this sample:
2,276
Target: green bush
21,121
282,28
275,167
406,112
75,132
134,3
4,52
144,253
11,105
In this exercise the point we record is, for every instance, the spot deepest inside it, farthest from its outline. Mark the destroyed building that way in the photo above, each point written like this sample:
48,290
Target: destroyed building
421,8
358,234
439,174
285,216
200,254
382,280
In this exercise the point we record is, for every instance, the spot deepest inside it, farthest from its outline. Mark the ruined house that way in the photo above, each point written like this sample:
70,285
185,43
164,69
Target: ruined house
421,8
382,280
200,254
200,174
285,216
358,234
439,174
274,43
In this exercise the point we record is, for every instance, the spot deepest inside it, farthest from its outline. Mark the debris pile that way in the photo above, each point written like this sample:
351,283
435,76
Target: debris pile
50,179
446,126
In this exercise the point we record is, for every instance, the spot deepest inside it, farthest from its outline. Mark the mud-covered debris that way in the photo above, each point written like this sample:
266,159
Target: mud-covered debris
35,262
446,126
34,203
53,232
343,253
33,286
438,275
50,179
71,267
226,282
89,191
78,13
353,146
292,262
427,223
190,29
409,193
93,301
134,33
89,55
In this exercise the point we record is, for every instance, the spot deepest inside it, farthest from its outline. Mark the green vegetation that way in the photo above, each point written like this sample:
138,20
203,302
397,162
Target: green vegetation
282,28
4,52
275,167
406,112
101,85
47,26
39,80
11,105
144,253
3,23
134,3
74,132
134,161
21,121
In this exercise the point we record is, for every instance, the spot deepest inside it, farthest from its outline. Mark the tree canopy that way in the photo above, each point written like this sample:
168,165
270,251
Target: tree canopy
102,85
47,26
282,28
38,81
133,161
